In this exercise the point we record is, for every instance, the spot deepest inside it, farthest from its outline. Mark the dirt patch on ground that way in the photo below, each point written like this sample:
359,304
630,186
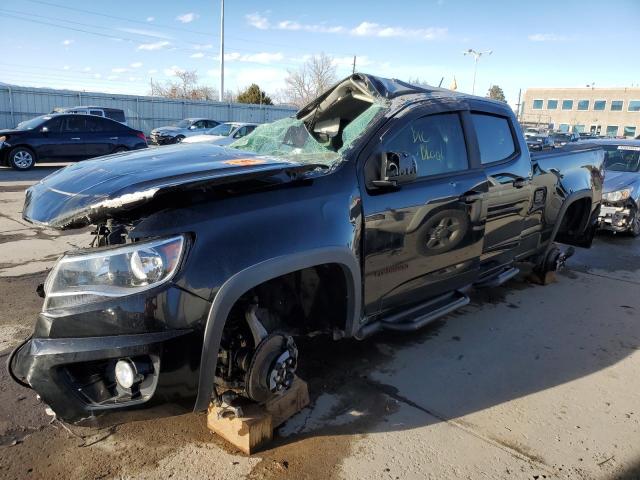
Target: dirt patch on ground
131,450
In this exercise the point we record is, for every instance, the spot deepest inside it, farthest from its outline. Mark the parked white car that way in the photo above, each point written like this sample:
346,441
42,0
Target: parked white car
223,134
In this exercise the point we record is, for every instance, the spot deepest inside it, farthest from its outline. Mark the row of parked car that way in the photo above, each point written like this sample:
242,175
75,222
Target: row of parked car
78,133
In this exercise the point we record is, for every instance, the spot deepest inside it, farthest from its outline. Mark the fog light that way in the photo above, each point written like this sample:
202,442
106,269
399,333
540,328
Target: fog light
126,373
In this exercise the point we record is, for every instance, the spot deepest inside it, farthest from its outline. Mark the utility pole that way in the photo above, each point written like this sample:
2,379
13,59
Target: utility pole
221,94
354,65
476,56
518,105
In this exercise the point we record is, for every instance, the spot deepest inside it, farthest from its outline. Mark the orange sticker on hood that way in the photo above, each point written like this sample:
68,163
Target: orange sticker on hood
244,161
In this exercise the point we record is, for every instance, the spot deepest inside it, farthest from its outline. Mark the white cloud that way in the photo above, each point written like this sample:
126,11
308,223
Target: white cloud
97,75
119,70
364,29
67,42
152,71
264,58
546,37
135,64
154,46
86,69
172,70
146,33
134,79
202,46
150,19
187,17
317,28
113,77
258,21
197,55
371,29
66,67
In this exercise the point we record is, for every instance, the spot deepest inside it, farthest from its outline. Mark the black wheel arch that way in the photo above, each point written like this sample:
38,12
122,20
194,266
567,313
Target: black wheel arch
246,279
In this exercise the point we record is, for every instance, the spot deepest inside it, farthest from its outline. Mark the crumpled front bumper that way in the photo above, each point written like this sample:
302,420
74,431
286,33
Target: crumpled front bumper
162,139
615,218
75,376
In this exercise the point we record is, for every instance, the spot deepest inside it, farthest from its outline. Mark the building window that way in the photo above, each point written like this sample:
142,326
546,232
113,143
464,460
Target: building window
583,104
567,104
552,104
630,132
578,128
537,104
634,106
616,106
599,104
564,127
612,130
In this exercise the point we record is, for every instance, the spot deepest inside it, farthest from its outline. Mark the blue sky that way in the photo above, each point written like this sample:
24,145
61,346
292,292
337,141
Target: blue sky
117,46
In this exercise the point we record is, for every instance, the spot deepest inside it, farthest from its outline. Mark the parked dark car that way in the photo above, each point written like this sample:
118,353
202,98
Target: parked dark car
560,139
539,143
65,137
620,211
374,209
181,130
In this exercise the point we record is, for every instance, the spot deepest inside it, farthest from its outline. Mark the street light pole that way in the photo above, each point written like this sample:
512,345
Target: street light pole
221,93
476,58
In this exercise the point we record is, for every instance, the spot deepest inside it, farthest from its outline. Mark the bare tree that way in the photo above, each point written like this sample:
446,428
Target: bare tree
314,77
186,87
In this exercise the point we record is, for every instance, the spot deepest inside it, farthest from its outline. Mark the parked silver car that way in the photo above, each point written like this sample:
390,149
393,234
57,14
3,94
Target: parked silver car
620,210
223,134
181,130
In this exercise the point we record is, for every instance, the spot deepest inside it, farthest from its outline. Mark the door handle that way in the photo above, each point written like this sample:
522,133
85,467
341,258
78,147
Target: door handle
113,138
520,182
75,138
471,197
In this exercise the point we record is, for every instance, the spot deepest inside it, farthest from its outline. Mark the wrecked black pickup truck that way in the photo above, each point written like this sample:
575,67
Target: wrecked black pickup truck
374,209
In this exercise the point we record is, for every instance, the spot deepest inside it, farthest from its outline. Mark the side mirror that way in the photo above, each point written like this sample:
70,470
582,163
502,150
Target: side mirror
396,169
44,130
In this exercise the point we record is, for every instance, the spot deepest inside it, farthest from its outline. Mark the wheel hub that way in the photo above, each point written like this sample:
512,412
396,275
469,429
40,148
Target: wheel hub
272,368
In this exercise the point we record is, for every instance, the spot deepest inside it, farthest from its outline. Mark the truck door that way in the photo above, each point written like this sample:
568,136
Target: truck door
424,238
508,170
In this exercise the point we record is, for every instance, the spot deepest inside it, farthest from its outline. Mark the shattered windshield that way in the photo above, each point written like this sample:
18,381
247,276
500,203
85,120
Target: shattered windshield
289,138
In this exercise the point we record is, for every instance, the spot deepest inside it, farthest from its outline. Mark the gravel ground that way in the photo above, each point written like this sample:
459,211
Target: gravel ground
526,382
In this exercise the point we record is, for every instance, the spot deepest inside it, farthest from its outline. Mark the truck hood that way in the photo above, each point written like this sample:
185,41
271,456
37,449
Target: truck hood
614,181
92,191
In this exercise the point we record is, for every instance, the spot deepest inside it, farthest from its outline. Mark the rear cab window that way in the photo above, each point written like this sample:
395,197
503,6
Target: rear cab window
495,137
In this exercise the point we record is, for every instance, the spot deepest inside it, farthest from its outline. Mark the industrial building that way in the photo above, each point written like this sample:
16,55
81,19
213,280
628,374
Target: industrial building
613,112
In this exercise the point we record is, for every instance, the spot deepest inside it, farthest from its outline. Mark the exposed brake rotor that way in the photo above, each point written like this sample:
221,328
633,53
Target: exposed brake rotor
272,368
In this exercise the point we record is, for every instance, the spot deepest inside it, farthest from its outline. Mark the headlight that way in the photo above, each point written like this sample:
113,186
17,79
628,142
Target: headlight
87,277
617,195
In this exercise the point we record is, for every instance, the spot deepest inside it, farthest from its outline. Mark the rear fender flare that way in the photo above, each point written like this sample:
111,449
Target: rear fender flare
570,200
250,277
